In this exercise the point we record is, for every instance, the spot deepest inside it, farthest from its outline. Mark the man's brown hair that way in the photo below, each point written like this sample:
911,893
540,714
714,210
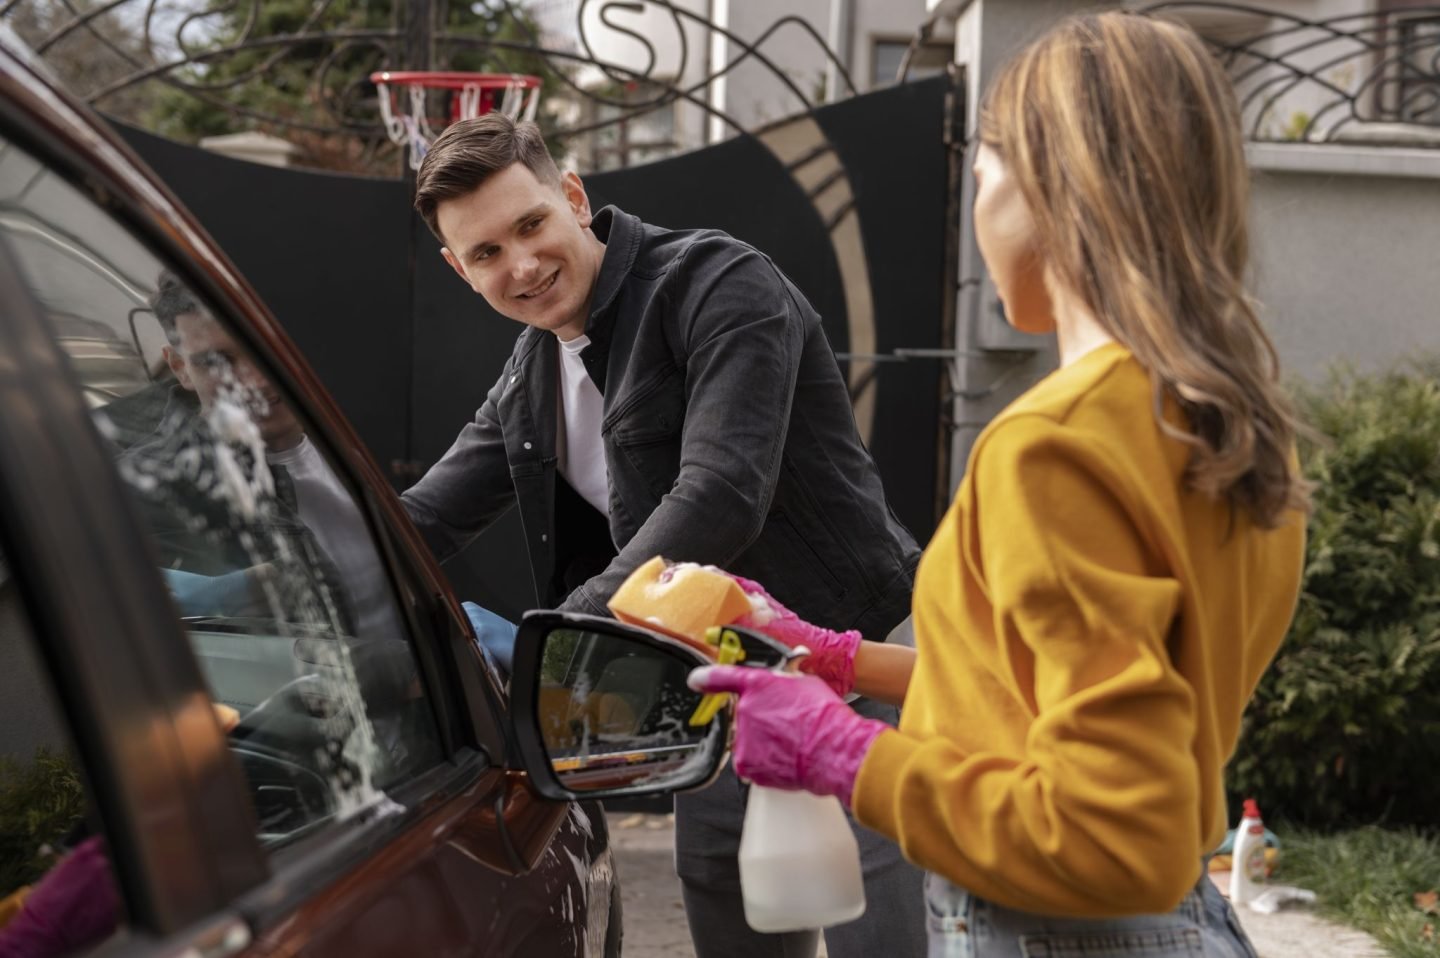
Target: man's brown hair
171,300
470,152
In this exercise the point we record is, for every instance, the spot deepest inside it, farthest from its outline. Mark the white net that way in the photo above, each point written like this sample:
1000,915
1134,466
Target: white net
517,96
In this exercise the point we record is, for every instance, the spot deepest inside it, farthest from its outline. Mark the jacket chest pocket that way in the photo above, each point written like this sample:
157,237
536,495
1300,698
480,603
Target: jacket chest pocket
655,412
645,432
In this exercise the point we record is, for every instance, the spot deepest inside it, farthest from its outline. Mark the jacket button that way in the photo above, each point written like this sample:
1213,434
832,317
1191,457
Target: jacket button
527,445
544,537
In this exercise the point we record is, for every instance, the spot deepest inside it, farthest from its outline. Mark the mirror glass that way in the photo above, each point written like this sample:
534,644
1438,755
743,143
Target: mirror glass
614,713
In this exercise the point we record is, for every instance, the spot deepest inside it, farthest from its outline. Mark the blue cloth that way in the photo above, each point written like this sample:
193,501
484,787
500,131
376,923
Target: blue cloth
1228,845
231,594
496,635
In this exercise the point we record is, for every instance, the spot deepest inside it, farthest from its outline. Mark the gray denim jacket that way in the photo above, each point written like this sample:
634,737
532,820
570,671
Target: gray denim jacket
727,432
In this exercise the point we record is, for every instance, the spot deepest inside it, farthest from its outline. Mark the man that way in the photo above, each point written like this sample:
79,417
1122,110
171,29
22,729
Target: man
673,394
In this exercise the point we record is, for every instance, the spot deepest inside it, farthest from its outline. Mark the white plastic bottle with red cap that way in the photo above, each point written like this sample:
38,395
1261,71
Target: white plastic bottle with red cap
1247,856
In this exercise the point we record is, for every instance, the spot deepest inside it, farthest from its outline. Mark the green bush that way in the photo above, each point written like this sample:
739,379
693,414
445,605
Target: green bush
1345,726
40,801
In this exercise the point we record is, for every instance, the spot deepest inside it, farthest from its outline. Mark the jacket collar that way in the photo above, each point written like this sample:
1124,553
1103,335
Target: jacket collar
620,232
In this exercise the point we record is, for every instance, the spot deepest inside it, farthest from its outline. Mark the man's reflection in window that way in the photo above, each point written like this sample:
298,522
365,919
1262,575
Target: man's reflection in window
257,535
247,496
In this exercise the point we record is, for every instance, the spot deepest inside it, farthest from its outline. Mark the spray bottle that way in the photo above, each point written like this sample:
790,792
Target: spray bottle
799,862
1247,859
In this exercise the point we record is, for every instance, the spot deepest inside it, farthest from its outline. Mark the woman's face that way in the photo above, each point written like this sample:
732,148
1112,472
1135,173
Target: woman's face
1005,230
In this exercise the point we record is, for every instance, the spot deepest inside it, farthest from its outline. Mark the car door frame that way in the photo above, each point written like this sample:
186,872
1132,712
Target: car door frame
155,758
67,138
149,674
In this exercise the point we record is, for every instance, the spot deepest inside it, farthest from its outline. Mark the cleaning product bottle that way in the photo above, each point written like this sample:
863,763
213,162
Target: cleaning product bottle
1247,857
799,862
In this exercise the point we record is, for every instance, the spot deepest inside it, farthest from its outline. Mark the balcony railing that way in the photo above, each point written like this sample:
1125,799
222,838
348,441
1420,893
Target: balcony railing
1371,77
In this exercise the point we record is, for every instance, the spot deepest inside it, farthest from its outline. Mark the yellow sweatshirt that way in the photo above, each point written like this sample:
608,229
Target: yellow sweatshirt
1089,632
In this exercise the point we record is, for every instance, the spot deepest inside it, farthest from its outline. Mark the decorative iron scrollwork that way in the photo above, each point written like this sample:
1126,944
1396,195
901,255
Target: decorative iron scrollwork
146,50
1371,77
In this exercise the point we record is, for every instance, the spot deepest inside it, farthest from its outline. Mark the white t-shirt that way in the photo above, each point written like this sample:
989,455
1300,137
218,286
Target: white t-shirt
582,454
335,521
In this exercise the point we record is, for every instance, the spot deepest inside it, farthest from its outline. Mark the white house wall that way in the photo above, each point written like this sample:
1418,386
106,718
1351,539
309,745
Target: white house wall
1345,260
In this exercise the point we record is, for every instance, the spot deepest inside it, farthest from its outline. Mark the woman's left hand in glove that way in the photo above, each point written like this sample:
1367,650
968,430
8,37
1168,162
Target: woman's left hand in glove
792,731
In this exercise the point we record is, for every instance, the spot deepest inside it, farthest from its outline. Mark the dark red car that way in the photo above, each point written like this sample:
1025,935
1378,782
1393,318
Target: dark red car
240,710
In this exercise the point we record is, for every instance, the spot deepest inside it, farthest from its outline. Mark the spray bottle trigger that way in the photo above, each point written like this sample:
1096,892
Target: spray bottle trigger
730,652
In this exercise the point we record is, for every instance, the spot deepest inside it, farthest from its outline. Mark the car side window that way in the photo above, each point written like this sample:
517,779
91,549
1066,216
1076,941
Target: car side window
266,553
58,896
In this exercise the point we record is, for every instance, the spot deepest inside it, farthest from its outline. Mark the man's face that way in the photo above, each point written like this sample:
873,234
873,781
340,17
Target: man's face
209,363
526,247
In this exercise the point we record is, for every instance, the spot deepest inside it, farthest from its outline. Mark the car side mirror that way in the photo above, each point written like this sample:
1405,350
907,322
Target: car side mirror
600,709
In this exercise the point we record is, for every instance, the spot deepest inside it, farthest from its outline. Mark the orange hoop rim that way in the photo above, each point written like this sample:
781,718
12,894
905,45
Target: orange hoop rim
454,80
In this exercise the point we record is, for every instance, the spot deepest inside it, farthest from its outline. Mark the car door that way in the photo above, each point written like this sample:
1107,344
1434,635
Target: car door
287,737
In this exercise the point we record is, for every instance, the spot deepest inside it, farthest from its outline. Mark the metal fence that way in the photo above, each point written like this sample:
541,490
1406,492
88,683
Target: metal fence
305,74
1370,77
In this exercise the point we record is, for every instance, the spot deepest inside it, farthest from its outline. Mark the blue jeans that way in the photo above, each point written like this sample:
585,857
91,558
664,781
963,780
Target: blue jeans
959,925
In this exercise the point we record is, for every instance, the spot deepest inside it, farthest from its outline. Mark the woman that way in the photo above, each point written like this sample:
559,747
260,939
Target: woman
1124,556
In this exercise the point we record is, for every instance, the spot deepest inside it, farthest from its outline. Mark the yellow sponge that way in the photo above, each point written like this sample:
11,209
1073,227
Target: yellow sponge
682,600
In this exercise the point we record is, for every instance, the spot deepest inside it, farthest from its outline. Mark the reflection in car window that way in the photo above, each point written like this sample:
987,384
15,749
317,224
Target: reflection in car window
265,551
57,894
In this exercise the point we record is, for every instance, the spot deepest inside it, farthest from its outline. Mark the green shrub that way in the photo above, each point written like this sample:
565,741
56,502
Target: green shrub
40,801
1345,726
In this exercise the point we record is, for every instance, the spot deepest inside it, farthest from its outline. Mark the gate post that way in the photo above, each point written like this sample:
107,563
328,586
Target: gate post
993,363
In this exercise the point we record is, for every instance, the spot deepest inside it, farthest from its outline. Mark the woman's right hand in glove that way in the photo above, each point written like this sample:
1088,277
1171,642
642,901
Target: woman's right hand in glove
832,654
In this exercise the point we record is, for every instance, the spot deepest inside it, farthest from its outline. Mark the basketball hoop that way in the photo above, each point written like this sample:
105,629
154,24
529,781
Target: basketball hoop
409,123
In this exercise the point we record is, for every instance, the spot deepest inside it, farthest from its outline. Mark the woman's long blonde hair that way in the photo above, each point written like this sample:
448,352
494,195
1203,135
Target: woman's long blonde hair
1124,134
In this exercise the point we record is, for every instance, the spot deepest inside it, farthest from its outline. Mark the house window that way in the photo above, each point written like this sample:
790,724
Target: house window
887,54
1416,54
626,136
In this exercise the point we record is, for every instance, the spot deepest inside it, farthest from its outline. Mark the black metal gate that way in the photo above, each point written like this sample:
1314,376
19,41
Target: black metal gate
852,201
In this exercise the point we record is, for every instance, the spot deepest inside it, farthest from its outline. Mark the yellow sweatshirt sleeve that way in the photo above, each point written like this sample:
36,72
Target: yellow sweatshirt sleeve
1098,813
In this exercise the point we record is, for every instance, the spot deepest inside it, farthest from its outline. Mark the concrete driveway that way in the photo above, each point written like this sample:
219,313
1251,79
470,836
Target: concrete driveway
655,919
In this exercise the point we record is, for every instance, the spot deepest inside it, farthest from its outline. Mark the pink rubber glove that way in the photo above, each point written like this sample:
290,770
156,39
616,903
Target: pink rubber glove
792,731
832,654
74,906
